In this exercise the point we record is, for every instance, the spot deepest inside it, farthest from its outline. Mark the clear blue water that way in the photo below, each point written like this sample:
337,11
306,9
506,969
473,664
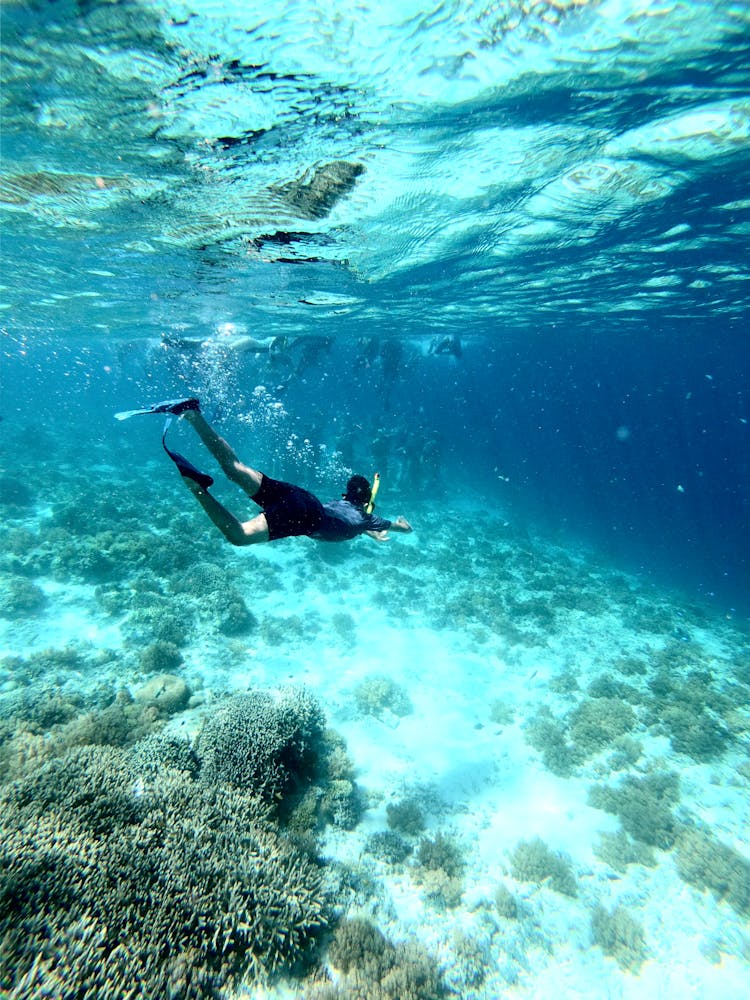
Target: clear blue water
504,249
565,190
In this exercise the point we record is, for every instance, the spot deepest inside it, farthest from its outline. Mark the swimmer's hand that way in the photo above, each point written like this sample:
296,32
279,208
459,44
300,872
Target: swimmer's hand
401,524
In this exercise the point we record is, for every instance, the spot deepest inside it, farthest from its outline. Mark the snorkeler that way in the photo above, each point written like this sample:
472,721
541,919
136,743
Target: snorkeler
229,339
450,344
286,510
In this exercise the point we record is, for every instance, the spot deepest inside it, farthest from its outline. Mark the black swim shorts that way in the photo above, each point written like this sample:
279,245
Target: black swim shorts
289,509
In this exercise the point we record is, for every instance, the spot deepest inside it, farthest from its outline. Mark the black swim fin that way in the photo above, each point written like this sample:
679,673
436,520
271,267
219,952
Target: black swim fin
169,406
188,471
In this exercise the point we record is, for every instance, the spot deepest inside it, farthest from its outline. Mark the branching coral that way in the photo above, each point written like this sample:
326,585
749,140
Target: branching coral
439,868
643,805
405,816
690,708
532,861
597,722
506,903
150,881
707,863
388,846
277,748
375,695
548,736
262,744
620,936
373,968
618,851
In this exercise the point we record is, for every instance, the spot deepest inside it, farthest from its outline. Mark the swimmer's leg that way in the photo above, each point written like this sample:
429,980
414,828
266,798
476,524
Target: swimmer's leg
246,478
235,531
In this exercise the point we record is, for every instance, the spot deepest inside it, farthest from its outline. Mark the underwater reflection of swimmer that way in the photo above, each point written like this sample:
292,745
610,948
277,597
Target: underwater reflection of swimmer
450,344
286,510
311,350
237,343
368,349
384,357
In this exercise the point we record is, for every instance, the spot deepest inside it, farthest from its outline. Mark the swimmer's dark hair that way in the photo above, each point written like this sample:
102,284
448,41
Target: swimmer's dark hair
358,491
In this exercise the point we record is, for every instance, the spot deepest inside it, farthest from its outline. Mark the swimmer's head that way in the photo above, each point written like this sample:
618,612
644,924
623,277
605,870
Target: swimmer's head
358,491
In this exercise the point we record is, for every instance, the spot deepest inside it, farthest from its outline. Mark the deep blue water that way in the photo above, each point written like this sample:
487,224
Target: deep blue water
639,455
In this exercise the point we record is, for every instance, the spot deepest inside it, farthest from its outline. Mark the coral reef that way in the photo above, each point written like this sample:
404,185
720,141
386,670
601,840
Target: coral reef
500,713
707,863
345,627
121,722
440,852
276,747
626,752
566,682
470,961
160,621
589,728
388,846
160,658
620,936
233,617
42,725
20,597
147,881
15,493
595,723
341,803
157,752
548,736
506,903
377,695
643,805
263,744
533,861
166,693
405,817
373,968
688,707
618,851
438,868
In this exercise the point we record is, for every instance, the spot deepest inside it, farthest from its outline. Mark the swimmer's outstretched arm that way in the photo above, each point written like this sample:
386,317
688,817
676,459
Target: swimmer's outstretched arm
400,524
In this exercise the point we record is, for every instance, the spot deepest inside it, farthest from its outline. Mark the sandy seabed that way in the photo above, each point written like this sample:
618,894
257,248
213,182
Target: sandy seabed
490,681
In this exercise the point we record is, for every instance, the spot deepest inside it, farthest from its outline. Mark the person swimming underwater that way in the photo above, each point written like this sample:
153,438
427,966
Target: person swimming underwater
287,510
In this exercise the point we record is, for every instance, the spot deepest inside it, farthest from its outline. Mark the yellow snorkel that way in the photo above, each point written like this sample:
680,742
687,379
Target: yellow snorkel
375,488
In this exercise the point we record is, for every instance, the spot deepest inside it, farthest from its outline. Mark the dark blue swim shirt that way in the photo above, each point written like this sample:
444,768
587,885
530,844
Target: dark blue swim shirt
343,520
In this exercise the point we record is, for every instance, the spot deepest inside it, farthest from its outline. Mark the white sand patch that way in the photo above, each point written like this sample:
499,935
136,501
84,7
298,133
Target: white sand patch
462,750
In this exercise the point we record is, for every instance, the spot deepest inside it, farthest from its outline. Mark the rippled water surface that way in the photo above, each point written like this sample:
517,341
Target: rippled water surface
456,166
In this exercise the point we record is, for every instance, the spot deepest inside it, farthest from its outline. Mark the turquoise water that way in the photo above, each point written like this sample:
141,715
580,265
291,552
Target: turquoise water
497,253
